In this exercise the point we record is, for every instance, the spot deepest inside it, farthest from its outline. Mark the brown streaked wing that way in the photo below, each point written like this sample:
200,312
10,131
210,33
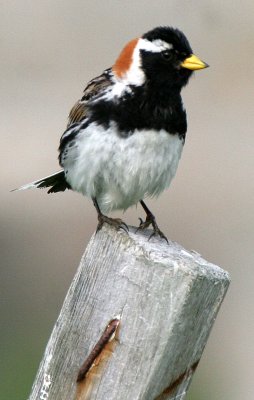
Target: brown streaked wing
94,87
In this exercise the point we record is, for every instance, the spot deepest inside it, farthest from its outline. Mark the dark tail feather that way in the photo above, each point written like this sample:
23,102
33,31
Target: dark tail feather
55,182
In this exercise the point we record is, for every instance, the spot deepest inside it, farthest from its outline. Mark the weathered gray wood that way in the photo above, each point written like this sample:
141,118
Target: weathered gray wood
167,299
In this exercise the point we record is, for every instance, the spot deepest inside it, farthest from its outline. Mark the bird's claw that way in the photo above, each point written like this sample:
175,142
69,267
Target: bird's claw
115,222
144,224
150,220
158,232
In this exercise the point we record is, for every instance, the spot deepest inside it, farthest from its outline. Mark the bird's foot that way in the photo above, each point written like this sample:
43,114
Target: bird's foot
117,223
150,220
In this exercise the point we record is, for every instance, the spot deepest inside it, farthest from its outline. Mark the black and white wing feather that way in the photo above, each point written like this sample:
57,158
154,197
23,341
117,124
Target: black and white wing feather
94,88
57,182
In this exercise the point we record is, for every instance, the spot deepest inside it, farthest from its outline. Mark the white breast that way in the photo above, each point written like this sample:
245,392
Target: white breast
121,171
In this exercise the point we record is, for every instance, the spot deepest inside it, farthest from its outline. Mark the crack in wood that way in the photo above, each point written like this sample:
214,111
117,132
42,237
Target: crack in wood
174,385
107,336
91,370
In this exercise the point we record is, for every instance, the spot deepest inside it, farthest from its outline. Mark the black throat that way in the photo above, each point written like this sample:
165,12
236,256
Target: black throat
150,106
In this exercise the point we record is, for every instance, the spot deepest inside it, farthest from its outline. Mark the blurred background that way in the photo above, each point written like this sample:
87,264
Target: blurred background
49,50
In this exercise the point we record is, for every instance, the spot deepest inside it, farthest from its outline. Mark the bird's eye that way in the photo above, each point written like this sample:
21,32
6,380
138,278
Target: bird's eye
167,55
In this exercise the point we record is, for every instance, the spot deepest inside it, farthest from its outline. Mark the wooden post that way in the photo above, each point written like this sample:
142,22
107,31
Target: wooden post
134,322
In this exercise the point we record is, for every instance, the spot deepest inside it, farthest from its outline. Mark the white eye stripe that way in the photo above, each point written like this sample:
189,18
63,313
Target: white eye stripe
135,75
155,46
163,45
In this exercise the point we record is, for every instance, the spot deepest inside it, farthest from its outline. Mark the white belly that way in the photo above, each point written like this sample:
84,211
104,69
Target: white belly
121,171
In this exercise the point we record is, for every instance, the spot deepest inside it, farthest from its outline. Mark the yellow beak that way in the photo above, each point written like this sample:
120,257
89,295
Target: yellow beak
193,63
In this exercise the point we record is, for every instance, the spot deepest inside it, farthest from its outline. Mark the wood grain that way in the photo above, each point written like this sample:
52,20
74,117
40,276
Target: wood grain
166,299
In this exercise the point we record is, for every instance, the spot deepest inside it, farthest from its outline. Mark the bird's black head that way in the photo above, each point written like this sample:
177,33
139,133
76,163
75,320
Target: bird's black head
167,57
161,59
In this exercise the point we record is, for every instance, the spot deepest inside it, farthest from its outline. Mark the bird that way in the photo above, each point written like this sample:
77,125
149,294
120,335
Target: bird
125,136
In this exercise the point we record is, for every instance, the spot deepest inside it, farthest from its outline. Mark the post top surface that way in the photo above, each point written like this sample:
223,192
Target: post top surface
170,254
